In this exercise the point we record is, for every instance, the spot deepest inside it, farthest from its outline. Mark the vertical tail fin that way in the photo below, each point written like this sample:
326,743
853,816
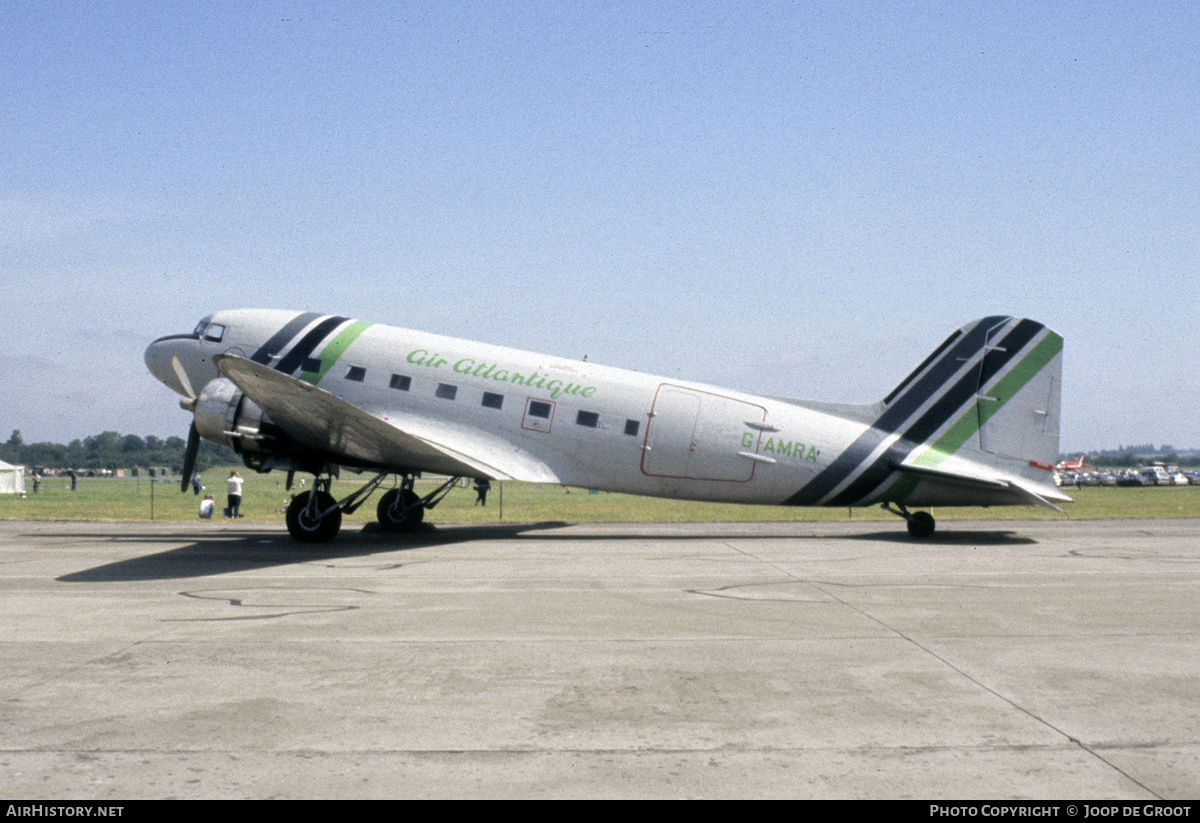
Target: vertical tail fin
1000,421
975,424
1000,396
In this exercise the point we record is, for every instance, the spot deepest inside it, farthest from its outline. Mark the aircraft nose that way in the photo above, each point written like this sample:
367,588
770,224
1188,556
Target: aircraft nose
170,360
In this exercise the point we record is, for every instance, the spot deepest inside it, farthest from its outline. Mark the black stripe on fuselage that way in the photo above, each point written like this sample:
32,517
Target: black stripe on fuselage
280,338
961,348
948,405
294,358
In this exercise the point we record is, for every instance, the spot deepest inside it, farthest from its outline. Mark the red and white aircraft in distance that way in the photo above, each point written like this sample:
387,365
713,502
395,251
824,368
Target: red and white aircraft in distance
975,424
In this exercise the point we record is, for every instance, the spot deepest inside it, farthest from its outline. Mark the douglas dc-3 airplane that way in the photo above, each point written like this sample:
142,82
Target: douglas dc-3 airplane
975,424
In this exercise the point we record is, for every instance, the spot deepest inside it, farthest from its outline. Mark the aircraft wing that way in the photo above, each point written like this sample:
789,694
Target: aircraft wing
323,422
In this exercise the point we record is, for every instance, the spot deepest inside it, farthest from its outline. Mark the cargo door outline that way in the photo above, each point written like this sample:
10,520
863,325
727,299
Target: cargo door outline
696,435
539,415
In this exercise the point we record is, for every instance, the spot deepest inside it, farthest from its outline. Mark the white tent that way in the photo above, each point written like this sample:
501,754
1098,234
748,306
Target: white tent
12,479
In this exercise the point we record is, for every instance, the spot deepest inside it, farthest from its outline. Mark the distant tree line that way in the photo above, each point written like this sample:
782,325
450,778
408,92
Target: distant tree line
1131,460
1115,461
113,450
1133,456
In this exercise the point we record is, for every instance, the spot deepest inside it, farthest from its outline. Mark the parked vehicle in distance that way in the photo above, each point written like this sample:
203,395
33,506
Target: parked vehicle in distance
1155,476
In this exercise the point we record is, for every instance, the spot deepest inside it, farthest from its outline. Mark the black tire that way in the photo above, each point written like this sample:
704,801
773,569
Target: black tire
307,530
402,516
921,524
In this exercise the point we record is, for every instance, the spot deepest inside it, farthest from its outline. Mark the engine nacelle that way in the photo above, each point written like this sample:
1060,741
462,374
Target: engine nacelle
225,415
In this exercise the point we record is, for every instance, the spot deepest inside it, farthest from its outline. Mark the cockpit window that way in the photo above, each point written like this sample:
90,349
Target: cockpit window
214,332
203,325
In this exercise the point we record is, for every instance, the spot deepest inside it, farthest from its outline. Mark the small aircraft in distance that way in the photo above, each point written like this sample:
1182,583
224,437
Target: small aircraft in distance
975,424
1071,465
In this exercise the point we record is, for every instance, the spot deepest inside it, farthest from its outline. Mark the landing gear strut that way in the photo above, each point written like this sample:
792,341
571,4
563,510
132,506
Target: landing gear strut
402,509
920,524
316,517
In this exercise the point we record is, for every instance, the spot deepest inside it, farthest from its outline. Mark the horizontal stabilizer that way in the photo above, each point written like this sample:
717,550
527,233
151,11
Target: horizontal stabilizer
1035,499
955,477
980,481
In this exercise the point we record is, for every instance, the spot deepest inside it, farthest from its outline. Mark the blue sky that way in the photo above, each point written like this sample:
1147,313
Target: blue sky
798,199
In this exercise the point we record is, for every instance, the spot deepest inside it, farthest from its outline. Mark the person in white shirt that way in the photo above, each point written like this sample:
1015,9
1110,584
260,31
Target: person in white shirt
233,485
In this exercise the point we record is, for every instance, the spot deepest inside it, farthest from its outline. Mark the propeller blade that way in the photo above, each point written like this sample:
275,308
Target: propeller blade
189,457
183,378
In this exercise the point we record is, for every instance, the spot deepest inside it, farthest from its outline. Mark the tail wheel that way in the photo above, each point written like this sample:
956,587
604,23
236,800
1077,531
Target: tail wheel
309,528
400,510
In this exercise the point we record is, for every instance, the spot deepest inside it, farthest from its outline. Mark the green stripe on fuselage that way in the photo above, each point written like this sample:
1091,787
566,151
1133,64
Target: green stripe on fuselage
968,425
336,348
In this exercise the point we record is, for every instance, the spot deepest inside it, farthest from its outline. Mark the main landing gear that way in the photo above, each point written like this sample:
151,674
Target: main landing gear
316,517
920,524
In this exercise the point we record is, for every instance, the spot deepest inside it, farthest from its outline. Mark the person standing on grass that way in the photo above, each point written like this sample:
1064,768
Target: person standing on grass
234,487
482,487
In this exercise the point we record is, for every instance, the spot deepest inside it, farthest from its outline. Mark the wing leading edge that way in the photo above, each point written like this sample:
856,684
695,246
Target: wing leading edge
322,422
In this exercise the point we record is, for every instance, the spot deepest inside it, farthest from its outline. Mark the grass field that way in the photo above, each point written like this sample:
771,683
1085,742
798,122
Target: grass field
264,498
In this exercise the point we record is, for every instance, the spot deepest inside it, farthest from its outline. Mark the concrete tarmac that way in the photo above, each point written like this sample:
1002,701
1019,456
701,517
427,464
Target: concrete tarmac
998,660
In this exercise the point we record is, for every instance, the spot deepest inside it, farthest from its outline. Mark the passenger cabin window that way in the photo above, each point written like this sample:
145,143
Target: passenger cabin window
587,418
447,391
539,416
632,427
356,373
401,382
311,365
492,400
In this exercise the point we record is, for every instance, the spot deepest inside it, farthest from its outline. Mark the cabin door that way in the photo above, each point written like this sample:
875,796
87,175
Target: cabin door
697,435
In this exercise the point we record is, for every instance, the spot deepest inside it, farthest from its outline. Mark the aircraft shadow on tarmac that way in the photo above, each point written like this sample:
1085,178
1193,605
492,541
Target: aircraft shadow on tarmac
213,554
945,537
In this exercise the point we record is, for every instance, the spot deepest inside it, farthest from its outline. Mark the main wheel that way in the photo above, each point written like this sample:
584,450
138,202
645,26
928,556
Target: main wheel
308,529
921,524
400,510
